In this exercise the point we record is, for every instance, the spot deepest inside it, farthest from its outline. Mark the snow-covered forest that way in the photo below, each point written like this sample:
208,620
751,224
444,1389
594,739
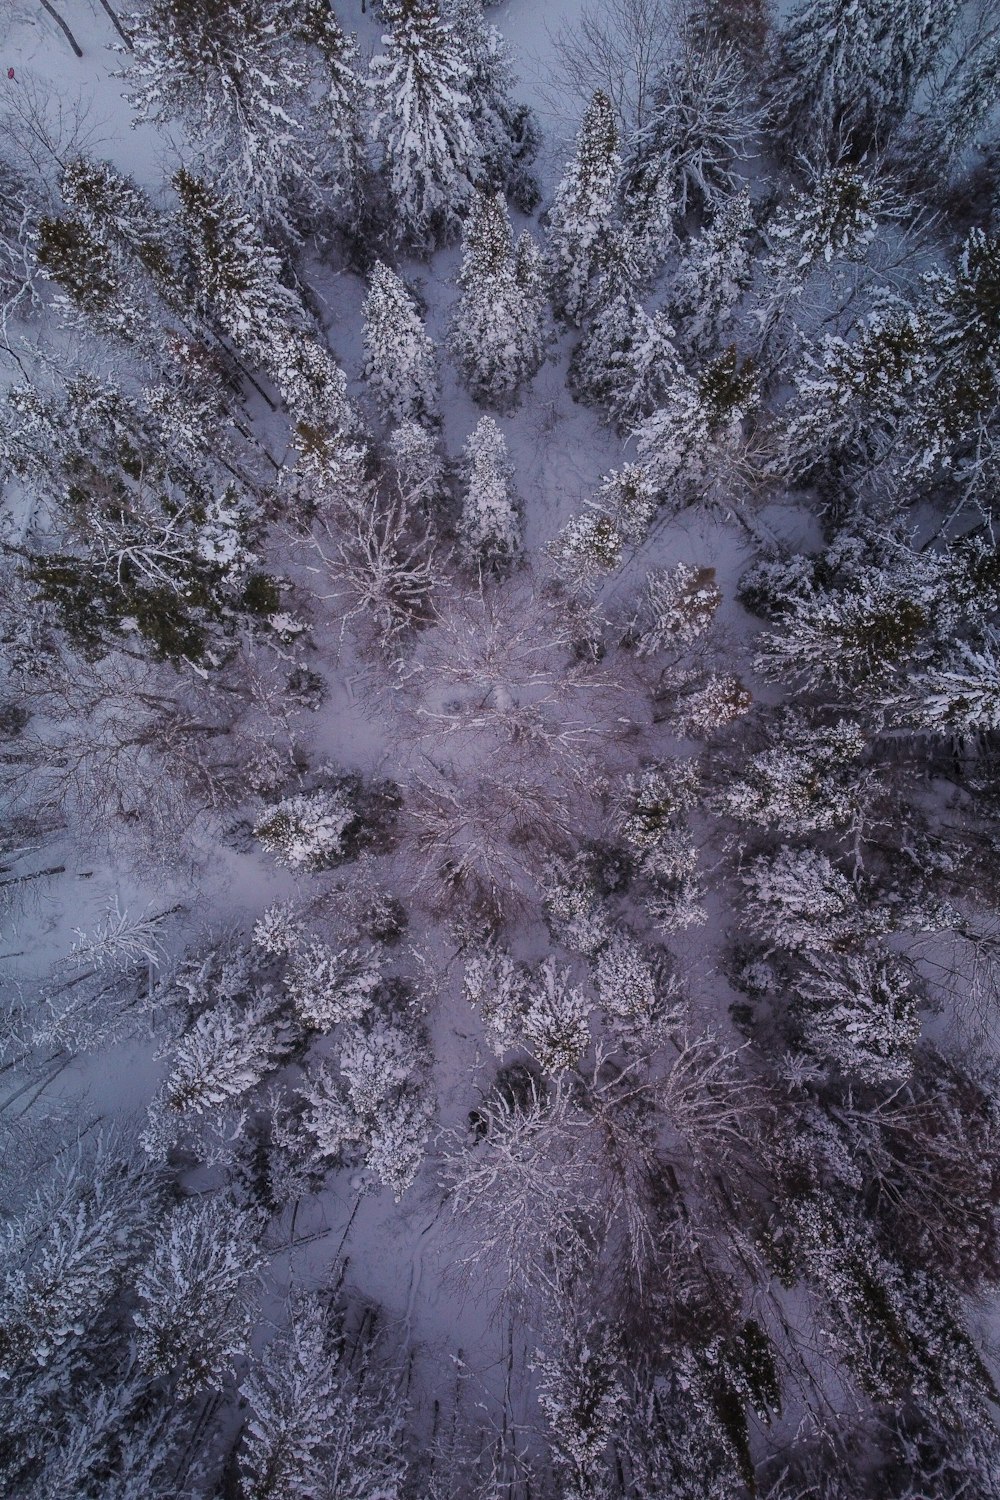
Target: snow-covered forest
500,750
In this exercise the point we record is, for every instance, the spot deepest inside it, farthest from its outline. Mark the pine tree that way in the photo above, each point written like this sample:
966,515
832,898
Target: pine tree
582,1393
489,529
508,133
307,831
714,276
195,1293
808,779
582,217
400,355
423,114
855,398
327,986
65,1254
346,164
317,1426
555,1022
497,333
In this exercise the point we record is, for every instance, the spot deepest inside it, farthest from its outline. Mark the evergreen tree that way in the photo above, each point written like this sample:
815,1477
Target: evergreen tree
423,114
828,93
497,332
555,1022
960,106
809,778
913,36
508,133
327,986
230,70
856,397
309,830
317,1426
860,1013
582,217
489,530
345,157
196,1293
400,355
959,694
715,274
626,360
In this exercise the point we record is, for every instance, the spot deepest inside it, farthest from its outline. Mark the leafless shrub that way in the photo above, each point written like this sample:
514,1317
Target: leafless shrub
385,568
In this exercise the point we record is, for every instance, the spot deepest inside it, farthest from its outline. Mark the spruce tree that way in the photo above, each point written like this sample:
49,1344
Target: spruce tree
714,276
423,116
489,530
828,97
230,71
400,365
508,133
582,218
960,106
497,330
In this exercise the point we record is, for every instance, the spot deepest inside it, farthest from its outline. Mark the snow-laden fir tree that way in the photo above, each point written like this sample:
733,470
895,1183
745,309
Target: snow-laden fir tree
854,397
828,92
678,606
345,156
808,778
418,467
713,277
508,133
691,443
400,366
834,219
957,694
862,631
238,285
308,831
65,1253
196,1293
420,89
555,1023
797,899
960,106
859,1012
226,1052
232,72
496,986
317,1426
581,1390
497,332
577,915
489,529
329,985
582,218
633,985
684,156
708,705
954,417
626,359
